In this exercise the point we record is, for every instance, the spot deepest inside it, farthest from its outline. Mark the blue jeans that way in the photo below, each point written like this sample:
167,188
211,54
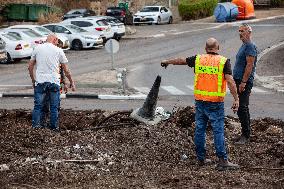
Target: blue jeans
45,113
42,92
213,112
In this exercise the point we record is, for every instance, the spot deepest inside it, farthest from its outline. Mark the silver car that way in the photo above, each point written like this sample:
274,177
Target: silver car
78,37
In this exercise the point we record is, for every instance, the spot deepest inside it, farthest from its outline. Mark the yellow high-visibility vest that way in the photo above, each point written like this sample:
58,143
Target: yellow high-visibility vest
209,80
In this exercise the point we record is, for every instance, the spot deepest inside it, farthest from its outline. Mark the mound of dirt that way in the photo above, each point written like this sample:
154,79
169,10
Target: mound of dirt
99,149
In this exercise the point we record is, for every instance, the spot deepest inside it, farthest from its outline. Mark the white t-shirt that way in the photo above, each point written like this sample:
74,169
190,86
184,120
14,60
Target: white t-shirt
48,58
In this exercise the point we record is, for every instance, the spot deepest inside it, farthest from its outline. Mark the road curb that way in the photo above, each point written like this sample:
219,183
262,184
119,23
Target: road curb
87,96
236,23
260,80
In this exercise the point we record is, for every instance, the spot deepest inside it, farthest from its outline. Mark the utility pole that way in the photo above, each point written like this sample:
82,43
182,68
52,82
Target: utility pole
170,3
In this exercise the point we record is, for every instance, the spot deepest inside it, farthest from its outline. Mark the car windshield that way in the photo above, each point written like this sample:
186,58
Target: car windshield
32,33
113,21
43,30
75,11
150,9
11,37
102,23
15,35
75,29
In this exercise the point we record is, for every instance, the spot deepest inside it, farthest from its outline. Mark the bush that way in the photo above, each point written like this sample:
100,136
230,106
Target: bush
195,9
51,17
277,3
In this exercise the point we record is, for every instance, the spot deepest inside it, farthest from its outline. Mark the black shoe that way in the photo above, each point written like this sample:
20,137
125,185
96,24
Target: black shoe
205,162
242,140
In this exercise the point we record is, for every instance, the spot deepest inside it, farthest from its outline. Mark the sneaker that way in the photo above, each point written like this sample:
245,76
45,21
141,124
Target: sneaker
224,165
204,162
242,140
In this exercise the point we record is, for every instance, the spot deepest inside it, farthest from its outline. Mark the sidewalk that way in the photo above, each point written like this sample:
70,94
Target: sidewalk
137,32
270,68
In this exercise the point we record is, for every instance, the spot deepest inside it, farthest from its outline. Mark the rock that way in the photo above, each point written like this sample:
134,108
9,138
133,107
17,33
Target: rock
280,143
4,167
274,130
129,30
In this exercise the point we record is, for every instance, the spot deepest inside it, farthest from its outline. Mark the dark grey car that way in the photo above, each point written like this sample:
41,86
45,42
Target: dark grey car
74,13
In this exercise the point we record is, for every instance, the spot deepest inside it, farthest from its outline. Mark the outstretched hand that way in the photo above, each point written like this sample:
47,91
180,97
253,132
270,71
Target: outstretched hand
164,64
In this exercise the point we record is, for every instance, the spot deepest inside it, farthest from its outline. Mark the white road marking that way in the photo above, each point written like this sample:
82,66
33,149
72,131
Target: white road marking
158,35
172,90
257,90
214,27
191,87
175,91
267,25
118,97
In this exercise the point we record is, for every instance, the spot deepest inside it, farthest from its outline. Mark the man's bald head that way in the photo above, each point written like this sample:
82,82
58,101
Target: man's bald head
212,45
52,38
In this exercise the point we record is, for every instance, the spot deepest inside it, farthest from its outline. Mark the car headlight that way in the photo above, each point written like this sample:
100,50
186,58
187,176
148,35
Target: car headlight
135,15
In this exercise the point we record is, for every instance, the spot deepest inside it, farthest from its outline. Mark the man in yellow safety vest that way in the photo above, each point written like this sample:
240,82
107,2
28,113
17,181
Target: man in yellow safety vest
212,73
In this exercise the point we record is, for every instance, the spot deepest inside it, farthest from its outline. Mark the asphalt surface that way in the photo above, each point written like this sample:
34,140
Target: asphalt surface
142,56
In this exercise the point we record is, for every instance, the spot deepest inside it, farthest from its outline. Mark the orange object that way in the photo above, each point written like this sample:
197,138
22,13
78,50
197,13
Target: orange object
209,81
246,9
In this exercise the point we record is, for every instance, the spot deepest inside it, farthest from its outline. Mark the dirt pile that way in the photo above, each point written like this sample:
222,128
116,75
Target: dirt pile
96,150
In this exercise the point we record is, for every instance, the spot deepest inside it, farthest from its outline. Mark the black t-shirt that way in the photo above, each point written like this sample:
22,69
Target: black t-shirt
227,67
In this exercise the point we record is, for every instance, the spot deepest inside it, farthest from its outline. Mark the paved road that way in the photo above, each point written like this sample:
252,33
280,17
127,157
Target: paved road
261,105
142,58
179,79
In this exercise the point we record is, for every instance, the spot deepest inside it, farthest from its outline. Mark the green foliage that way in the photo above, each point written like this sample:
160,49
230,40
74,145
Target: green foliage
195,9
277,3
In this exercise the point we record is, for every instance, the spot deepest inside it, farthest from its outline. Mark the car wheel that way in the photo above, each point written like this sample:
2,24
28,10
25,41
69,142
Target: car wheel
150,23
116,37
170,20
77,45
136,24
158,21
8,60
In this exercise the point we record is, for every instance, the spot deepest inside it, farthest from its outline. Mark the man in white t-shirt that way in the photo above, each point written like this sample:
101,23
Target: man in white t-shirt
46,81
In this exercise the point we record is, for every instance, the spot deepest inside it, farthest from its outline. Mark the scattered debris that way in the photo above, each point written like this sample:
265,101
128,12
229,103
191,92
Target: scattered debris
141,156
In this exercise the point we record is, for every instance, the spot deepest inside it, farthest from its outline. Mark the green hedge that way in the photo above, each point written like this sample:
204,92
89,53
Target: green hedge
195,9
277,3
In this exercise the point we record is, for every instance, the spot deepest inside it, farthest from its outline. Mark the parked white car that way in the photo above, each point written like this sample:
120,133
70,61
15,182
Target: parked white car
15,47
78,37
117,26
27,35
62,40
153,14
95,25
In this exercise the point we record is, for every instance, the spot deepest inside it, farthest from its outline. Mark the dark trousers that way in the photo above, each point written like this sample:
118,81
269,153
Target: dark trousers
243,111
